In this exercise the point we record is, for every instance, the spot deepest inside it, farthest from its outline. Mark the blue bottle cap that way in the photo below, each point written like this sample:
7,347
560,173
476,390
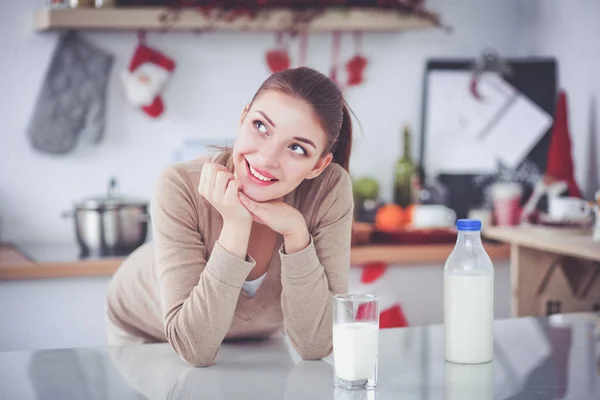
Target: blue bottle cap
468,225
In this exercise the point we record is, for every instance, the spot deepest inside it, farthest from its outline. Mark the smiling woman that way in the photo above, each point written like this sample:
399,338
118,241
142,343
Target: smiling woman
253,241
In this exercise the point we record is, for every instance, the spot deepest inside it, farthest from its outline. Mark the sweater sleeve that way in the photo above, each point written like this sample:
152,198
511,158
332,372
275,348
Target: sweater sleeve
198,294
312,276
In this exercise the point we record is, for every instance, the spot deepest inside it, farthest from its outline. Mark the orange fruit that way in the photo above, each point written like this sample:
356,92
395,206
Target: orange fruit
408,214
389,217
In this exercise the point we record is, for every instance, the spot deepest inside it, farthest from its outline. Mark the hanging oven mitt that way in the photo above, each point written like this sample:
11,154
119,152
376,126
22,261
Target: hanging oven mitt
72,98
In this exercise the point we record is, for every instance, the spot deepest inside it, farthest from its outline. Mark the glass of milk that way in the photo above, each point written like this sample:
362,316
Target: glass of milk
355,340
469,298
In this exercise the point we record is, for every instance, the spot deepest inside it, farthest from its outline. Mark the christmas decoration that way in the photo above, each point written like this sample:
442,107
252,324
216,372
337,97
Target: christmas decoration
278,59
355,67
374,281
145,78
229,10
560,162
304,11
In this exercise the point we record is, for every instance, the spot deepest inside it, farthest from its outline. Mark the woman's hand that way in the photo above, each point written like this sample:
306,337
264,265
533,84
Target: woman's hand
219,187
281,218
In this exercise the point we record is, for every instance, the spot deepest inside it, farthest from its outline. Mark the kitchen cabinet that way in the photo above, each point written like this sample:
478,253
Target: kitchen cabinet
52,313
554,270
48,303
418,287
69,312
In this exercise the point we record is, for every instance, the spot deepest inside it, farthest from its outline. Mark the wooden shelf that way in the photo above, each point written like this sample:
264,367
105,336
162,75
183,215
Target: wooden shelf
148,18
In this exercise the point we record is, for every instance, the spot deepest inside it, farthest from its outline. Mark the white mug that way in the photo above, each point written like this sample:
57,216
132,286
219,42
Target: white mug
432,216
568,208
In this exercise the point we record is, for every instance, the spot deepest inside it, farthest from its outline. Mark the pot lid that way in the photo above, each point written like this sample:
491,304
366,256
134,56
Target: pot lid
111,200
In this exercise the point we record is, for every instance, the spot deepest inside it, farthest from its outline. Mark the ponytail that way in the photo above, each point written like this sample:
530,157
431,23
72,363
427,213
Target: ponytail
343,145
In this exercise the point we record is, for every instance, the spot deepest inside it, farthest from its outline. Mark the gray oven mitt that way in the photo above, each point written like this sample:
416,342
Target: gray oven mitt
72,97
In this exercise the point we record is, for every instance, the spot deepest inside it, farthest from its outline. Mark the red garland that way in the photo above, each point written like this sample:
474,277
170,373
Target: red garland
232,9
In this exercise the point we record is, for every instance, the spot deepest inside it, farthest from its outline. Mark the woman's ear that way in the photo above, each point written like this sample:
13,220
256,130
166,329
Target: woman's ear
244,112
320,166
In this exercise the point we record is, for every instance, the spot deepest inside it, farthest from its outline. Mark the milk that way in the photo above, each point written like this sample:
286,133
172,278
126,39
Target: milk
469,316
355,348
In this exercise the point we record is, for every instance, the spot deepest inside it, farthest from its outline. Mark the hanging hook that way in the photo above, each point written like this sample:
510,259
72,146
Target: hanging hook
490,61
357,36
303,46
335,55
113,187
141,36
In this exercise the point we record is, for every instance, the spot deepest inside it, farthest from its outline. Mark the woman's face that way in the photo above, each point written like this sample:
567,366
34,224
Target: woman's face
279,144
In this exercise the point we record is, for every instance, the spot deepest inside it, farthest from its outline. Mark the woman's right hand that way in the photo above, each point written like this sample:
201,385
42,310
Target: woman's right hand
219,187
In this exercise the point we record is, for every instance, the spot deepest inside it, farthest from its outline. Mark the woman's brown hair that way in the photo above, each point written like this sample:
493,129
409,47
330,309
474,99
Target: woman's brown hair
327,102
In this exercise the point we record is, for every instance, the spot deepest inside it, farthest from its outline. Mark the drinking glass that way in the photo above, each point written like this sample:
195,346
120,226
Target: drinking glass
355,340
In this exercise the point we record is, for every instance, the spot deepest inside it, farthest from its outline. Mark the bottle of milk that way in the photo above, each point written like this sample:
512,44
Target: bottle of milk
469,298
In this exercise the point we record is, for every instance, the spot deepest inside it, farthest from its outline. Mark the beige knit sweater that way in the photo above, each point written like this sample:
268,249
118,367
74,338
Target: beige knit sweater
185,288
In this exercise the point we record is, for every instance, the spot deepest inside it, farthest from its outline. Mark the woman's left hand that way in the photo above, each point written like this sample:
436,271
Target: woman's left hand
281,218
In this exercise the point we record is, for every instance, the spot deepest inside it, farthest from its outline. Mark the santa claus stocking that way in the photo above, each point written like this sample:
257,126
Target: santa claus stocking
145,79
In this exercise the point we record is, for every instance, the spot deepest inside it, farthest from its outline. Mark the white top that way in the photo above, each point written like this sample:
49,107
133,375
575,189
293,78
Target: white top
251,287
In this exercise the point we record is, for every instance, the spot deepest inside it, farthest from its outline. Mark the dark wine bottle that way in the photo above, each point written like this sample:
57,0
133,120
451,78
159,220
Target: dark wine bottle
404,173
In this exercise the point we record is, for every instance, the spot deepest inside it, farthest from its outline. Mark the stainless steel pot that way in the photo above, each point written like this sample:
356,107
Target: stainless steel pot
111,225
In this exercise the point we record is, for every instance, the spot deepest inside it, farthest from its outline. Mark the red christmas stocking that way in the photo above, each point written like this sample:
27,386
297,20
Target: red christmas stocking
145,79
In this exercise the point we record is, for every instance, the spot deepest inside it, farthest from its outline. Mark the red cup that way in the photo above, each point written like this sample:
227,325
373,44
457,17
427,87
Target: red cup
506,197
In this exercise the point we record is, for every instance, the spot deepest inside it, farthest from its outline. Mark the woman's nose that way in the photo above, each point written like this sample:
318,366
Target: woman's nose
269,154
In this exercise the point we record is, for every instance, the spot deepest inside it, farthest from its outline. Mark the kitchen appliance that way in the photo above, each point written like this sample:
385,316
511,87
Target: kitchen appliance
111,225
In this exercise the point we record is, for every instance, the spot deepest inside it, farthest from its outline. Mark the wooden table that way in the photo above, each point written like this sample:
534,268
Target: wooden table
551,270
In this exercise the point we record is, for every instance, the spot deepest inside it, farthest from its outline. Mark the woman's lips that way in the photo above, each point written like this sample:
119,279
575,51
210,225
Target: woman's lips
258,181
263,173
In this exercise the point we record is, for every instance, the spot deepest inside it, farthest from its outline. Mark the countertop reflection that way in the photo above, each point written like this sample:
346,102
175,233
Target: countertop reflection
535,358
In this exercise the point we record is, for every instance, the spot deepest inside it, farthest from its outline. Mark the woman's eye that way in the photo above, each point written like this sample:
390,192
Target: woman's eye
260,126
298,149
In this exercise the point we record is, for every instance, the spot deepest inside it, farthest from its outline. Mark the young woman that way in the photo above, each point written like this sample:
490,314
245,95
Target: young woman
253,241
